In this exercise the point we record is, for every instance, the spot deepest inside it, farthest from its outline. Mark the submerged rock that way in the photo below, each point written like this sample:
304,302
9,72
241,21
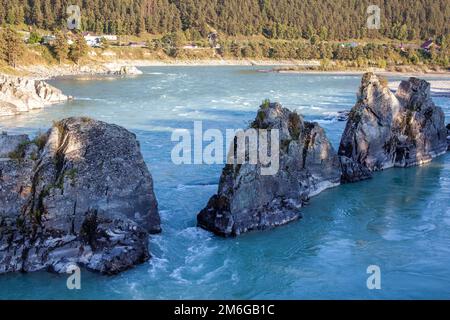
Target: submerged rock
386,130
247,200
79,194
21,95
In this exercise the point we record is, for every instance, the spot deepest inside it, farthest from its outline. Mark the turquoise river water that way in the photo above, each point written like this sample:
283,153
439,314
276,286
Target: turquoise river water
399,221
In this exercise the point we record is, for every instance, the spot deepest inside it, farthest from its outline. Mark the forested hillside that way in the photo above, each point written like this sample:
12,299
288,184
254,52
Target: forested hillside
278,19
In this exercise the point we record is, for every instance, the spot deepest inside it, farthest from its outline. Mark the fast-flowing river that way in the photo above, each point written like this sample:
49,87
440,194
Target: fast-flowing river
399,221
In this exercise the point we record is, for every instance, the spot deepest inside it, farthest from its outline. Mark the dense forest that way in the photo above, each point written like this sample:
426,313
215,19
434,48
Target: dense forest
275,19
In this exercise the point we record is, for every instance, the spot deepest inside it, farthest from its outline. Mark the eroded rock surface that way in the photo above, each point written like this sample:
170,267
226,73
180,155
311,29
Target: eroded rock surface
247,200
124,71
21,95
386,130
383,130
80,194
448,136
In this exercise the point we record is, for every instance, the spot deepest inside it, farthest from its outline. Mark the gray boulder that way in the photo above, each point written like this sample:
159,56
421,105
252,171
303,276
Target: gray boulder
10,144
80,194
247,200
386,130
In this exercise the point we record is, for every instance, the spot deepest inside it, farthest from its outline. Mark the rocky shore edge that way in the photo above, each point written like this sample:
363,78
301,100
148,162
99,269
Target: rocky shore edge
22,94
19,95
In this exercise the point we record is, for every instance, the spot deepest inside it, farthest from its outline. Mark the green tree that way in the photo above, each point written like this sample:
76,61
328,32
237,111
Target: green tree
403,32
61,47
78,49
276,19
48,15
34,38
12,46
37,17
172,42
2,46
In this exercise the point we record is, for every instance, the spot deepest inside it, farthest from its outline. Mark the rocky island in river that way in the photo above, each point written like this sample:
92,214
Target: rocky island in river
383,130
81,193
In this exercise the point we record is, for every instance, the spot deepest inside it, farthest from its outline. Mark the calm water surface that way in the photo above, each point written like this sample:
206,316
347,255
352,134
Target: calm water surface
399,221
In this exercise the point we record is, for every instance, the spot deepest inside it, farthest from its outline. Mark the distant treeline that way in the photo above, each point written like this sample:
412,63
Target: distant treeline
275,19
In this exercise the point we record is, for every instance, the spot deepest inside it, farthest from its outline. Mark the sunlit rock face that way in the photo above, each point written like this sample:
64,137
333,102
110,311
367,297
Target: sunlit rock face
248,200
19,95
386,130
79,194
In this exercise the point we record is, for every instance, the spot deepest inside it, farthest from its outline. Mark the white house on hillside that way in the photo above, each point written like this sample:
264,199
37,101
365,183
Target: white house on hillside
110,37
96,40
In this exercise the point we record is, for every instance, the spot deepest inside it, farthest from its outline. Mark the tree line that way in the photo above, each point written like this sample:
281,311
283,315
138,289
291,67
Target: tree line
12,46
275,19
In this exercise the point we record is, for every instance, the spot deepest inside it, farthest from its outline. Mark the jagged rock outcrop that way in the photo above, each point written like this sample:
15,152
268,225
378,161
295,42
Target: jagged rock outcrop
386,130
352,171
21,95
79,194
247,200
123,70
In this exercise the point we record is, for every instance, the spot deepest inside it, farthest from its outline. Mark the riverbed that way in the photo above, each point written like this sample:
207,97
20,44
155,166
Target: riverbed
399,221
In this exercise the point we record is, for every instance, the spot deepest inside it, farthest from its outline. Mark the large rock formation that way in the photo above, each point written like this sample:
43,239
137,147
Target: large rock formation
79,194
21,95
247,200
386,130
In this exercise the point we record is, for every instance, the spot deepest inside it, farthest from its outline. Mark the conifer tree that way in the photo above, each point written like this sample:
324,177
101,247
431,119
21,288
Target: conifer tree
12,46
61,47
78,49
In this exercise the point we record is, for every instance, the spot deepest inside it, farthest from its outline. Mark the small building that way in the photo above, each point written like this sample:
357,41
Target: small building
427,45
92,40
48,39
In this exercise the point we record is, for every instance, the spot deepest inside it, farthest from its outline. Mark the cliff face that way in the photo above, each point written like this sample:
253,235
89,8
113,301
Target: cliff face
79,194
448,136
386,130
247,200
21,95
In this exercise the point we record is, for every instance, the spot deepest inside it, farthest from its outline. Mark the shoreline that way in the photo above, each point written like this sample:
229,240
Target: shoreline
46,72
